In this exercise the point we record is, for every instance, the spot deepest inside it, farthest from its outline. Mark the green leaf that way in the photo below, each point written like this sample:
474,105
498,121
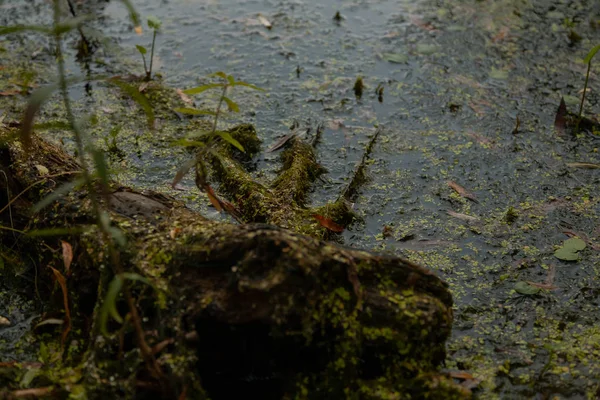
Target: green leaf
56,231
70,24
52,125
141,49
525,288
231,104
109,306
591,54
220,74
35,103
574,243
187,143
570,250
118,236
230,79
101,166
228,138
5,30
136,96
246,84
154,23
193,111
132,276
427,49
395,58
202,88
58,193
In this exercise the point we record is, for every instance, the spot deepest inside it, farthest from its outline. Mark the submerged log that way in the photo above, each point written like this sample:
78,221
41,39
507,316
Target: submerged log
252,310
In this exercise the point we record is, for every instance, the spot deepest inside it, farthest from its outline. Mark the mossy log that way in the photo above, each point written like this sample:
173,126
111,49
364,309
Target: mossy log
249,310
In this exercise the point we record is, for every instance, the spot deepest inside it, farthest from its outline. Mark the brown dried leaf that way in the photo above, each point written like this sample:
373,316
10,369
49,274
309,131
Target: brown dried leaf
213,197
462,191
583,165
329,224
266,23
281,142
460,375
501,35
143,87
232,210
184,97
463,217
67,252
63,286
10,92
560,121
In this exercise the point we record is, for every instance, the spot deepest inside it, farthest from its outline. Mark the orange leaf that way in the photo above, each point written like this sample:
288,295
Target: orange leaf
462,191
67,252
460,375
63,286
329,224
10,92
213,198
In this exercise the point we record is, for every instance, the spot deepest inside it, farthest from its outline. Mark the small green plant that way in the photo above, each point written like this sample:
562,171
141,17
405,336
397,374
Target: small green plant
154,24
588,61
204,139
359,87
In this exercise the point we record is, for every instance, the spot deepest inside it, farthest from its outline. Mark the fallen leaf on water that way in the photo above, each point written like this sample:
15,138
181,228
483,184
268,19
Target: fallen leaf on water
391,35
479,138
281,142
335,124
184,97
569,251
329,224
422,24
462,191
266,23
463,217
501,35
475,107
525,288
560,122
395,58
583,165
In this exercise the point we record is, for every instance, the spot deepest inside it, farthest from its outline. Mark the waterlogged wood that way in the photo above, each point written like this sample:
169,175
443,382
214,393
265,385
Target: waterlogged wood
234,311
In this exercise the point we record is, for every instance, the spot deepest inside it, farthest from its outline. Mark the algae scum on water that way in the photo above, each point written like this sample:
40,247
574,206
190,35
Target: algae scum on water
498,208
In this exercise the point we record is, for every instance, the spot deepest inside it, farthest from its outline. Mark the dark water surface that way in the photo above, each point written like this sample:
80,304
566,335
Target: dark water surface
455,75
